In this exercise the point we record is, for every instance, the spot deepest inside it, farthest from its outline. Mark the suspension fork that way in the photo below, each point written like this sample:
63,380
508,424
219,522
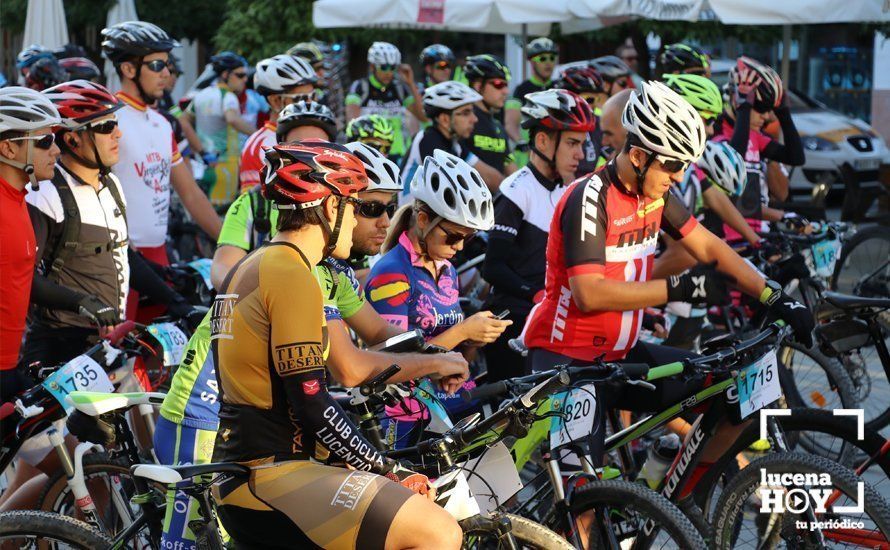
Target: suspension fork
73,468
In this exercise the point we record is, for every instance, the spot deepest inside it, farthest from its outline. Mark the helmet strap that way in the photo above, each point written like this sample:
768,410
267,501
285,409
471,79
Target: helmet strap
422,234
28,166
136,80
333,235
641,172
551,161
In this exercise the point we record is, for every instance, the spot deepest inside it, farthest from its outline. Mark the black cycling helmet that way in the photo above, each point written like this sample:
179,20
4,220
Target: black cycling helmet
306,113
682,58
69,50
485,66
539,46
610,67
227,61
135,39
435,53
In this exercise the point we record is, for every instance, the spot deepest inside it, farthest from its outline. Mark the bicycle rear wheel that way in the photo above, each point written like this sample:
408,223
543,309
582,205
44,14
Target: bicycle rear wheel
526,533
863,267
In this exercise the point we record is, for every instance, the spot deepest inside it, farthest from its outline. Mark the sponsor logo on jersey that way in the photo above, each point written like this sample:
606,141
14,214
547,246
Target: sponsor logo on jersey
591,199
350,492
298,357
651,207
311,387
221,316
505,229
488,143
623,221
638,236
562,312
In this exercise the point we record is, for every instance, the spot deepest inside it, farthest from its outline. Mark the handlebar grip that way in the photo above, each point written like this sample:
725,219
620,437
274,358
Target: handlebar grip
545,388
486,391
120,331
635,371
663,371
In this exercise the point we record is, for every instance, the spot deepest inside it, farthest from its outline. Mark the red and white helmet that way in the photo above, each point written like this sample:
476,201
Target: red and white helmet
301,175
769,89
560,110
82,101
664,122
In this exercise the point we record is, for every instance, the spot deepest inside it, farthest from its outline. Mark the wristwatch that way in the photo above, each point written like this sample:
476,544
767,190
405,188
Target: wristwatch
771,292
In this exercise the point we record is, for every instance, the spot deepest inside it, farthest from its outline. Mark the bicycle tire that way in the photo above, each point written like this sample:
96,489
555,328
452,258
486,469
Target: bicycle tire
526,533
837,377
874,232
624,494
47,525
737,492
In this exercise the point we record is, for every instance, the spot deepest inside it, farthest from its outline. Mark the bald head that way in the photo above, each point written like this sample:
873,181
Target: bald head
614,133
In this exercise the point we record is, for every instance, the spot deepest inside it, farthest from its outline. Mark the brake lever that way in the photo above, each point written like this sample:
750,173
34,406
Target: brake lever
28,411
648,385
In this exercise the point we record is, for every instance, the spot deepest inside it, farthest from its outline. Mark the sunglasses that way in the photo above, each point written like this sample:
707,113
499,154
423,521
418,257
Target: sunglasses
104,127
672,165
374,209
381,146
240,74
498,83
442,65
41,142
388,68
545,58
452,239
157,66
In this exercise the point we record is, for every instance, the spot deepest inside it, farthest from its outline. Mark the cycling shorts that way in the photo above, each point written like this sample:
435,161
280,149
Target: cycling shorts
303,504
668,391
177,445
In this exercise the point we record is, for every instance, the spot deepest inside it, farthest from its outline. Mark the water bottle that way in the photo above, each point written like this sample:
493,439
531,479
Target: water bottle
660,457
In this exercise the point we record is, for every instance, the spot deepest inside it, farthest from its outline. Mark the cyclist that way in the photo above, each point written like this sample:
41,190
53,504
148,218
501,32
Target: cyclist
684,59
588,84
559,122
490,78
542,55
276,414
380,93
615,72
45,73
27,153
150,162
414,285
79,218
754,90
438,62
80,68
215,113
599,256
311,53
28,56
282,80
373,130
613,132
449,106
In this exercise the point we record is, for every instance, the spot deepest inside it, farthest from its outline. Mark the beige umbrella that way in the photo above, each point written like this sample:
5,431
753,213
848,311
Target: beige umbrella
45,24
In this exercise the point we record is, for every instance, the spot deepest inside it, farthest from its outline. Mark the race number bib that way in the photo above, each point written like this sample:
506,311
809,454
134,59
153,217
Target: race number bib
80,374
172,339
578,411
202,266
825,254
758,385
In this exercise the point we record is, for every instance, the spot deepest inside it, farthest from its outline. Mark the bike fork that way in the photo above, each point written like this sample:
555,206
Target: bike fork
73,468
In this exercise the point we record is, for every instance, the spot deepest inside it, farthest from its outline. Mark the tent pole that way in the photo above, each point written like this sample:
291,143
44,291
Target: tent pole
786,53
524,52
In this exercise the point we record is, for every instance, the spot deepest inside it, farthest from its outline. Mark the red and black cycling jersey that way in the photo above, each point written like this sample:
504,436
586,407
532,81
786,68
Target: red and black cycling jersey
600,227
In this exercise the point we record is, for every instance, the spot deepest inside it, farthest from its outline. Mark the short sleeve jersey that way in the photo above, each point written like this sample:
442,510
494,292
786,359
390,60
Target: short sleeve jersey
18,252
489,140
209,107
389,101
266,324
253,154
425,142
599,227
148,151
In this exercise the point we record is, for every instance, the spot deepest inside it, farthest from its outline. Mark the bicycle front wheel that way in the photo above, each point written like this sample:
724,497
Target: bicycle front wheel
32,529
629,513
525,532
863,267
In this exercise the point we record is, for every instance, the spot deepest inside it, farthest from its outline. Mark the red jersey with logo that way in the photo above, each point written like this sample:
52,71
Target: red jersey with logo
600,227
253,154
17,256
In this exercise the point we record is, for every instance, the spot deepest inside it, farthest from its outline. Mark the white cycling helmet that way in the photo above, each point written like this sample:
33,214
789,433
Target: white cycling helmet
454,191
383,174
449,95
24,110
664,122
277,74
384,53
725,167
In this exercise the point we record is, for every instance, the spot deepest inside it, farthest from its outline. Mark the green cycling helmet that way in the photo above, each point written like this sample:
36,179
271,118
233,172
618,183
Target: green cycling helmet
699,91
370,127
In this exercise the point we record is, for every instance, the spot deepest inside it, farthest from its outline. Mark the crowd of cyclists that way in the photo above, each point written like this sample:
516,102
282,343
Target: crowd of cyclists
606,209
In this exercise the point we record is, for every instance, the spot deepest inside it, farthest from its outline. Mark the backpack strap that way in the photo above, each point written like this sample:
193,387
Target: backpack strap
364,89
69,238
261,209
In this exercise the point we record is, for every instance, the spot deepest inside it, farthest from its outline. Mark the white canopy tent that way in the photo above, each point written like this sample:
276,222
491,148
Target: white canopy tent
123,10
45,24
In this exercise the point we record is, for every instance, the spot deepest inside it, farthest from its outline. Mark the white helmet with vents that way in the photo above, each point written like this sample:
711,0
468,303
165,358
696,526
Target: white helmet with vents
454,191
383,174
449,95
24,110
278,73
384,53
725,167
664,122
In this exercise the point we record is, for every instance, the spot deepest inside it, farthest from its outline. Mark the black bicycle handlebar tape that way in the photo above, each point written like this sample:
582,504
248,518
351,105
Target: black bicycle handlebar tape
545,388
484,392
